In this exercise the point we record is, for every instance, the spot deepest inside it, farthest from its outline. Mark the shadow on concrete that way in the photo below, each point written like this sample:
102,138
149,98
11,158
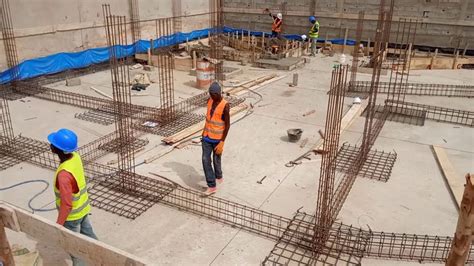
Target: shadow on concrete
284,138
188,174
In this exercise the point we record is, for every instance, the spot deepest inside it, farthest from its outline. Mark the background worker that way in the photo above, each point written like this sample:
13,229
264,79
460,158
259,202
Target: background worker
277,23
70,188
313,34
213,136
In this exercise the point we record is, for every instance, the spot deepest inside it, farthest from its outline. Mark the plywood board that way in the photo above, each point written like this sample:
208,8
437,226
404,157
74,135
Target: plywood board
454,180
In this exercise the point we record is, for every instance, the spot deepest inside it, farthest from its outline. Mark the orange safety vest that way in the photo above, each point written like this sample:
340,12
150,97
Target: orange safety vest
276,26
215,125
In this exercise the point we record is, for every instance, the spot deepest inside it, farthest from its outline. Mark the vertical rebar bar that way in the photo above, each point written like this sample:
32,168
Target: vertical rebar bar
135,20
116,38
7,135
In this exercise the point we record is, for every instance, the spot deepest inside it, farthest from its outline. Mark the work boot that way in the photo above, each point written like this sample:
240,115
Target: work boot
209,191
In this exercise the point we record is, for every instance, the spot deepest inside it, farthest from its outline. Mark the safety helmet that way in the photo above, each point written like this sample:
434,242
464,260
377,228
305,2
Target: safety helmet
64,139
312,19
356,100
279,16
303,37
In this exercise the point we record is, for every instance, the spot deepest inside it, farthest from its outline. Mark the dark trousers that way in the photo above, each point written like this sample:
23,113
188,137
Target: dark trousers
210,172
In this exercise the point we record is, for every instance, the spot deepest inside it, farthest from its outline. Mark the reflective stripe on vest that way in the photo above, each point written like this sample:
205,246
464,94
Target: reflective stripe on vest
276,26
80,200
314,31
215,125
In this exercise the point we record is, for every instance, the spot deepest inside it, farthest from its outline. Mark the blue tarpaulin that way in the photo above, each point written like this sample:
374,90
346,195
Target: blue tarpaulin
59,62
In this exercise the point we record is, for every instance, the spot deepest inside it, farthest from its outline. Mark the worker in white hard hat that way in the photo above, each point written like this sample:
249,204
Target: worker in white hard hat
277,22
303,37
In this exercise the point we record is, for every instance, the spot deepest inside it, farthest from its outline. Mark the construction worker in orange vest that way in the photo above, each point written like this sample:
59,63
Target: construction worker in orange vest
277,22
213,136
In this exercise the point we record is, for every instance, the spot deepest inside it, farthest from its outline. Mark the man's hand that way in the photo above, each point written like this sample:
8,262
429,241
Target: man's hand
219,148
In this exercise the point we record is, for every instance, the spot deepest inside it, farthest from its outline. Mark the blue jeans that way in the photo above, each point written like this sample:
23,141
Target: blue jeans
84,227
211,173
314,49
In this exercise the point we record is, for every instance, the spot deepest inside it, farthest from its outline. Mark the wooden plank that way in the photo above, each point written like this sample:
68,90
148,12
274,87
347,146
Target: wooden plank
463,237
90,250
455,184
346,121
6,255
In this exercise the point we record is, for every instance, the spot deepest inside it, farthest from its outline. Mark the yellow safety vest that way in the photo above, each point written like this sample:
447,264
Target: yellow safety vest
80,200
314,31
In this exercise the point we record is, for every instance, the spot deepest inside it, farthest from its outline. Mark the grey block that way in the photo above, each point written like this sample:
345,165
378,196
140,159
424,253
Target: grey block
73,82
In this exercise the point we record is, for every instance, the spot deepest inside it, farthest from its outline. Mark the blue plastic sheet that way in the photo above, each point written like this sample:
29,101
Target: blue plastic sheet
59,62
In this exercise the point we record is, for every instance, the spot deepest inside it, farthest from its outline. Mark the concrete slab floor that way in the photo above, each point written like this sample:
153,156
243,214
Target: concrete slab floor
257,146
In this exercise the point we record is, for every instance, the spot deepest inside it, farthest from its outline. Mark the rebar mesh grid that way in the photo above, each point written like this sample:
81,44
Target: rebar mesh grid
116,38
115,144
432,112
377,166
401,115
344,240
20,149
108,194
98,116
422,89
345,244
410,247
134,20
327,177
166,129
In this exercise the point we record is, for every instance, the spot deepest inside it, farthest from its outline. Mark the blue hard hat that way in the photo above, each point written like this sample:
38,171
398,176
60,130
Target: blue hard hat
64,139
312,19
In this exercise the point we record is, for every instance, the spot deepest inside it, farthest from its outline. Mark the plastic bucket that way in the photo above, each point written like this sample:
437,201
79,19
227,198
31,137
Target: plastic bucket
204,75
294,134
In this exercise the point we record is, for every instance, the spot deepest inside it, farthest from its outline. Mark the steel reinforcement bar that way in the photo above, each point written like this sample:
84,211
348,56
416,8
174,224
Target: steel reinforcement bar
422,89
269,225
437,113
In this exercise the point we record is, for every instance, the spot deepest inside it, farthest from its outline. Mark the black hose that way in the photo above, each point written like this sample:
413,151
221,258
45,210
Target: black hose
34,197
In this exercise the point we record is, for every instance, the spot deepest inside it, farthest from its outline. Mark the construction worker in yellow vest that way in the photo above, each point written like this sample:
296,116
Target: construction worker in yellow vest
313,34
72,199
213,136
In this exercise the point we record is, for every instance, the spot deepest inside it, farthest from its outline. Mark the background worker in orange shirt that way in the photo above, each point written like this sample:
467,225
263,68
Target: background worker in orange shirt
277,22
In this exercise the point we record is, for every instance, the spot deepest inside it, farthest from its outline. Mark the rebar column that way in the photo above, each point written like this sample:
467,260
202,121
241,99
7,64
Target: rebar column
324,218
135,20
116,38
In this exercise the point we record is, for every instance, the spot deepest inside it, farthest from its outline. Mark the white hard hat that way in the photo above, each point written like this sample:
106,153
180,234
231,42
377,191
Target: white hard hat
303,37
356,100
280,16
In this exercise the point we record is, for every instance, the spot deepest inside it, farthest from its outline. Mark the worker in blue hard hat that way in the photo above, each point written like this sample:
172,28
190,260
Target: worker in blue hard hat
70,188
313,34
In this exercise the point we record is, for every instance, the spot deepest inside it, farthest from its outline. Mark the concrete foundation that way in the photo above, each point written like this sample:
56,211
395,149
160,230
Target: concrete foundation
257,146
